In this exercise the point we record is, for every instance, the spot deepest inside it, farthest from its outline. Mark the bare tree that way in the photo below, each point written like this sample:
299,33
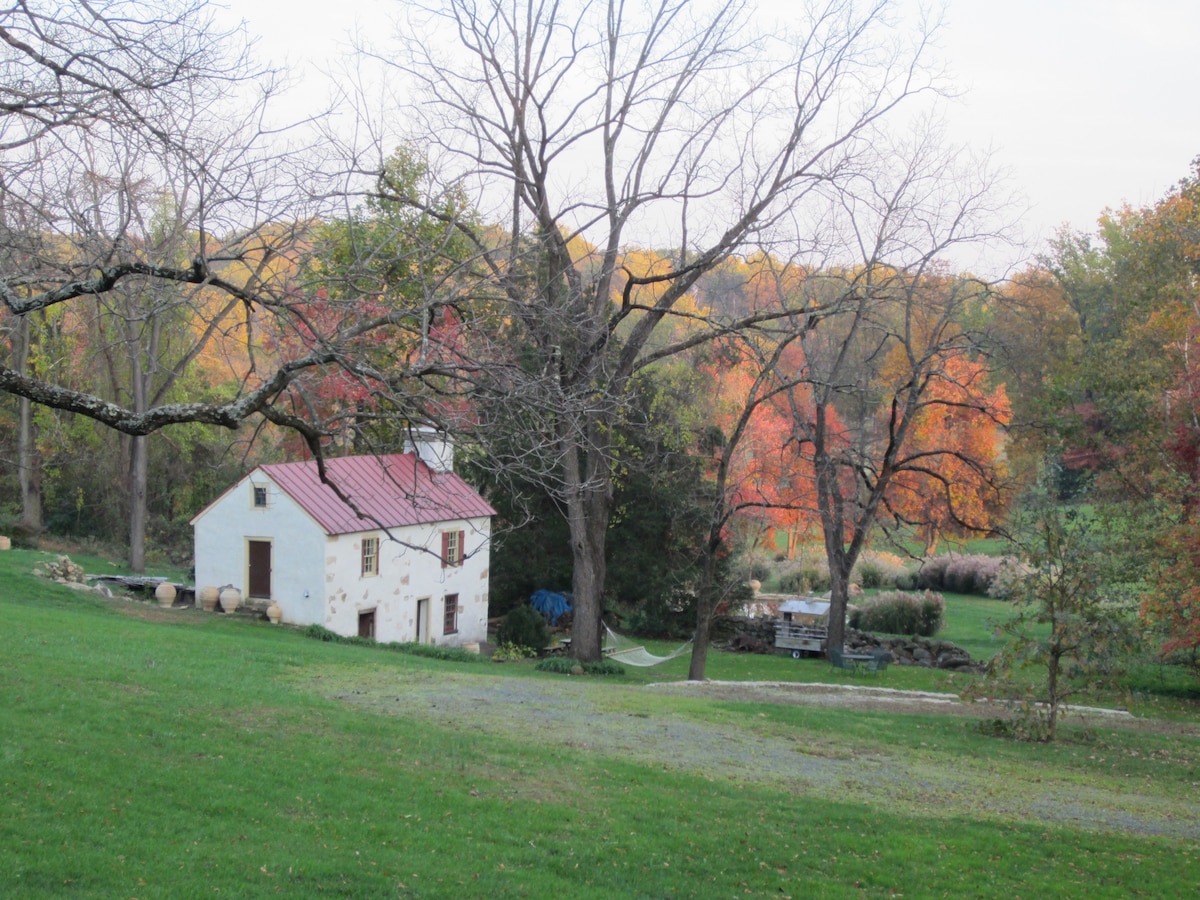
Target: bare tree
143,192
881,357
593,125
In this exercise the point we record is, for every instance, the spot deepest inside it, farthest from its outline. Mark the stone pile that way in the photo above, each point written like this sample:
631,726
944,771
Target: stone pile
726,628
62,570
914,651
744,643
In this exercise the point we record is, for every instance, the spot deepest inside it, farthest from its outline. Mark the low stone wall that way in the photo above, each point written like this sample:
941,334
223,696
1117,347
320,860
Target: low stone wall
914,651
910,651
726,628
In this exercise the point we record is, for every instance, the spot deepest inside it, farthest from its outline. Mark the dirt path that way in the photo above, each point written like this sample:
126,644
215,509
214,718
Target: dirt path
634,723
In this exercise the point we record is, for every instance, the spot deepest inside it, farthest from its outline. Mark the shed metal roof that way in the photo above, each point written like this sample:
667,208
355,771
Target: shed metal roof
390,491
805,606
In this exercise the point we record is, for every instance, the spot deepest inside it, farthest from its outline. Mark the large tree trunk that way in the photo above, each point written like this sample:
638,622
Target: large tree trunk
589,495
705,606
588,517
839,597
138,469
29,467
138,448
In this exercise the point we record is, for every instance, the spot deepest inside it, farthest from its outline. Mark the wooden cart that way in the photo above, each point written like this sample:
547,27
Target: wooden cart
803,626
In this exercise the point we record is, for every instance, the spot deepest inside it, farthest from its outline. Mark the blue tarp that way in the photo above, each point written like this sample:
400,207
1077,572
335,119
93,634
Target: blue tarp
551,605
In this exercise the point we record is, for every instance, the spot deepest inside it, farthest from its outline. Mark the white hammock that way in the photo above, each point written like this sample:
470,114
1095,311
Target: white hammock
634,655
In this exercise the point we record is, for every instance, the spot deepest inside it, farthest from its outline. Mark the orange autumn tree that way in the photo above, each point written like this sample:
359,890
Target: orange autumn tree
752,465
951,487
769,483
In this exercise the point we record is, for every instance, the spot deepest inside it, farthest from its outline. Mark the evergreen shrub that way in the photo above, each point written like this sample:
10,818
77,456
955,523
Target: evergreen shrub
524,627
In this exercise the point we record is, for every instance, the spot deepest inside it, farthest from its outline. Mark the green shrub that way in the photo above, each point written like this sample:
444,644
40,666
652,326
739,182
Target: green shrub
1011,573
877,569
564,665
804,577
671,615
899,612
524,627
870,573
321,633
508,652
431,651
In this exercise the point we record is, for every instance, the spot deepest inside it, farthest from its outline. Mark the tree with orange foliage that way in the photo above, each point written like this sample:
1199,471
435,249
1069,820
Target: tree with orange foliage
951,483
668,133
883,372
753,466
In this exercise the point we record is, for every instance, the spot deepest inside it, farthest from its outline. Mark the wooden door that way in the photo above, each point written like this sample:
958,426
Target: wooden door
259,578
423,621
366,624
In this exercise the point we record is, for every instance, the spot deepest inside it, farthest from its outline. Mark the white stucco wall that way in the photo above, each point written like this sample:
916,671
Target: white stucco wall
222,535
317,578
410,570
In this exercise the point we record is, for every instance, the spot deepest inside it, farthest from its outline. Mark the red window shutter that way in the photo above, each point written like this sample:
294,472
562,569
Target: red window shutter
462,548
445,549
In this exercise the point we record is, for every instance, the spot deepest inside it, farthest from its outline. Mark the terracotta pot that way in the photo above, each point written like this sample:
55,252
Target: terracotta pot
206,598
274,613
231,599
165,594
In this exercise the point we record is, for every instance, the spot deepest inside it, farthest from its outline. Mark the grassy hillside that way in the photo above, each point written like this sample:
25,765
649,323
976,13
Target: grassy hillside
149,753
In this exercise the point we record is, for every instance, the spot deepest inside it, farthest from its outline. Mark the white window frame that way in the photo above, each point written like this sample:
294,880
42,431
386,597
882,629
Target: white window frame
364,556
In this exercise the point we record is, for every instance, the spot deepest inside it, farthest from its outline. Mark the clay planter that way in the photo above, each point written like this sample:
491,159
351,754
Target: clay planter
274,613
231,599
206,598
165,594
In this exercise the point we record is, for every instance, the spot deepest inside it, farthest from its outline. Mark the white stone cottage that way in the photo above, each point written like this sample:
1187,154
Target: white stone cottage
412,567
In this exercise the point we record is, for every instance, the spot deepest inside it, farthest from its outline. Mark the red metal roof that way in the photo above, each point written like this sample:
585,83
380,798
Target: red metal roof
390,491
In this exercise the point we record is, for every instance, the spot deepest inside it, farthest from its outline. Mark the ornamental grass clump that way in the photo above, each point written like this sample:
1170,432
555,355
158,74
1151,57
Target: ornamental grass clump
900,612
969,573
879,569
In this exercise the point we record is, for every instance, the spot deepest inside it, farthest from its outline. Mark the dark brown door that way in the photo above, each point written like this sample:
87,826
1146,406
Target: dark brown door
366,625
260,569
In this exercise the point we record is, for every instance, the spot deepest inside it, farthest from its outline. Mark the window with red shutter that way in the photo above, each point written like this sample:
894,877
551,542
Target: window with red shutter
452,548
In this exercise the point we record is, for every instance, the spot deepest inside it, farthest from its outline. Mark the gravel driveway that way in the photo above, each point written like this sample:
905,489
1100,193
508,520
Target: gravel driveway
629,722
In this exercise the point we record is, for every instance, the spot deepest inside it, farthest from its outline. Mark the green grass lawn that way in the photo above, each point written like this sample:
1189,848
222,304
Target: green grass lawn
150,753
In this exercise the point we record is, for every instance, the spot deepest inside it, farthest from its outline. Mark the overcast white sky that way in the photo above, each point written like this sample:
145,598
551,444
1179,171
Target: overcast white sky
1088,103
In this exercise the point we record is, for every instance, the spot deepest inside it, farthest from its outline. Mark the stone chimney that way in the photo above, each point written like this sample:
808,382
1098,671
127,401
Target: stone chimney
433,447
